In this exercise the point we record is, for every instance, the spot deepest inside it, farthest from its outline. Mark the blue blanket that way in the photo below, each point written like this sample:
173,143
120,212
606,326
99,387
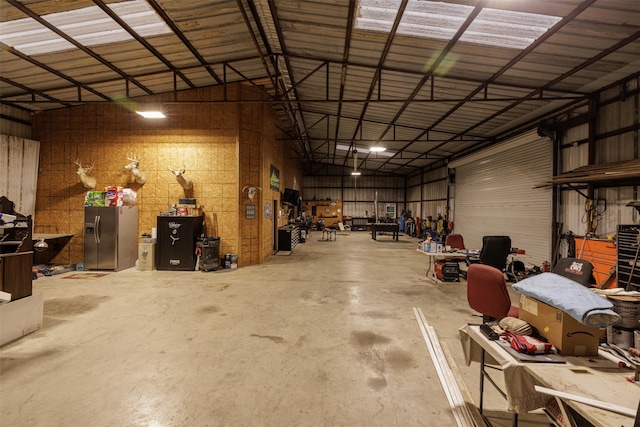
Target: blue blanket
569,296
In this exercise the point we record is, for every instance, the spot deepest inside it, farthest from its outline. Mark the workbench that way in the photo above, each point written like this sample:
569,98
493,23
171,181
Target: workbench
592,377
385,227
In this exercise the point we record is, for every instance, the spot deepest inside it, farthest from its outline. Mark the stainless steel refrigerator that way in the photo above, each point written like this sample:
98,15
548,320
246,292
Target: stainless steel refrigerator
110,237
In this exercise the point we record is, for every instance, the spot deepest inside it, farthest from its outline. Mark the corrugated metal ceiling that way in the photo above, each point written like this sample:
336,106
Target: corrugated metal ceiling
424,99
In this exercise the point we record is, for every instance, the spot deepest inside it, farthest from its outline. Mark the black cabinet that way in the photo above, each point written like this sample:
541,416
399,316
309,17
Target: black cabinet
176,245
288,237
628,257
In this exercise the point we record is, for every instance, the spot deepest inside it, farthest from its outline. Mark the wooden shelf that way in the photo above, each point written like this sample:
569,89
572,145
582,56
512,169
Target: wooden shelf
614,174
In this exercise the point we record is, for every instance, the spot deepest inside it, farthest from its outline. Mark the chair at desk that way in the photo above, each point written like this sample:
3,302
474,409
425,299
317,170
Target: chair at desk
577,269
487,293
494,252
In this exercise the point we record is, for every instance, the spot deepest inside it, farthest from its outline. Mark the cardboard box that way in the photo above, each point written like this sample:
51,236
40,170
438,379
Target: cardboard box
569,336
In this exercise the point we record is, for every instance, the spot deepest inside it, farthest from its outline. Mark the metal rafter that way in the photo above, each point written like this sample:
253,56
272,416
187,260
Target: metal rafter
450,44
602,54
33,93
298,127
343,71
564,21
45,67
185,41
24,9
265,59
142,41
377,76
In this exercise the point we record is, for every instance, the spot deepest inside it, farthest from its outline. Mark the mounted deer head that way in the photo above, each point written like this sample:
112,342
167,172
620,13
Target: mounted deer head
139,176
185,183
251,192
88,181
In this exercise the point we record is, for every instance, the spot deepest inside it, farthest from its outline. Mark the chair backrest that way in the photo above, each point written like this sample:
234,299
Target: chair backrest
455,241
495,250
576,269
487,291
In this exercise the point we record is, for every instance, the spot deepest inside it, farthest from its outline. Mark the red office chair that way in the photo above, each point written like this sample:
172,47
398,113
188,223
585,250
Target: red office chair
455,241
487,293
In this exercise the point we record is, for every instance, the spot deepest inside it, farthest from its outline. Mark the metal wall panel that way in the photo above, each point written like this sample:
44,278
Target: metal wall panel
611,202
19,159
495,196
435,193
357,194
15,122
571,213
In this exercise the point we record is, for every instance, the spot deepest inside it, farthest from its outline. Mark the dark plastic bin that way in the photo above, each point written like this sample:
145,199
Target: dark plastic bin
210,256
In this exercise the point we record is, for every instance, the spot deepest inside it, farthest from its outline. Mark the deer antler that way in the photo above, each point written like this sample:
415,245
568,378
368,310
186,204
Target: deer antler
139,176
185,183
87,181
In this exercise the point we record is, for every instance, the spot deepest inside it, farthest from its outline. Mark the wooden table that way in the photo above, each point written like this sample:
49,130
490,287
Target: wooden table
593,377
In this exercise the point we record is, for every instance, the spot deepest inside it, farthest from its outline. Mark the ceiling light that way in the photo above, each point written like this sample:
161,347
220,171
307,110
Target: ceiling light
151,114
356,173
377,149
363,150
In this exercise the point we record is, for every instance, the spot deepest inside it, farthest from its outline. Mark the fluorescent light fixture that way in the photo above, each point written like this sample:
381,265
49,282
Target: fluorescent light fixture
364,150
377,149
90,26
356,173
151,114
440,20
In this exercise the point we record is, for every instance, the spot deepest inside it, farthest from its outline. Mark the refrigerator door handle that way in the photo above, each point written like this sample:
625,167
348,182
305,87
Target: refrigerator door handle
96,224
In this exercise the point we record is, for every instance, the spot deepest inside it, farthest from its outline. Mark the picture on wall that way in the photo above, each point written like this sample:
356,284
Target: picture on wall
274,178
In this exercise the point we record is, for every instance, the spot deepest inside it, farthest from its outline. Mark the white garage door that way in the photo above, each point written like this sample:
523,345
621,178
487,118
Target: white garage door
494,195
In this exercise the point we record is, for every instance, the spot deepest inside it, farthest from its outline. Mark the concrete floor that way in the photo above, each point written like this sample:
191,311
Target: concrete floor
323,337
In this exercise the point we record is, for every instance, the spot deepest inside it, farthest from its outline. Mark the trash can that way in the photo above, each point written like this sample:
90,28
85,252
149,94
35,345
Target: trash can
210,256
146,256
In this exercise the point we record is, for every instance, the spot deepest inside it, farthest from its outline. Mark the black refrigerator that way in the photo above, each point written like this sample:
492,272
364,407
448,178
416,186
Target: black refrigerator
110,237
176,245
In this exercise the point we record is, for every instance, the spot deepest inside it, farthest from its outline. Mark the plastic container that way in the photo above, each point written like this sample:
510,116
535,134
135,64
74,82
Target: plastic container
210,255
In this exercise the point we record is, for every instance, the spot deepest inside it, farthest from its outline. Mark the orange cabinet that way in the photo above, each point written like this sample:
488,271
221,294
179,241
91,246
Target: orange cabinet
602,254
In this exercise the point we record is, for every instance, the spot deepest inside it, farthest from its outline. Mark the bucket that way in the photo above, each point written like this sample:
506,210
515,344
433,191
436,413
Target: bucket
622,337
628,308
227,260
233,260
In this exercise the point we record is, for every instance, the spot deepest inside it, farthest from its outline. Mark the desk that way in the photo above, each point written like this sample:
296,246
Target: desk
432,255
600,380
385,227
56,243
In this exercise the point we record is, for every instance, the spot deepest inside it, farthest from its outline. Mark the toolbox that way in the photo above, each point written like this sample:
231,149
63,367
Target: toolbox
447,270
